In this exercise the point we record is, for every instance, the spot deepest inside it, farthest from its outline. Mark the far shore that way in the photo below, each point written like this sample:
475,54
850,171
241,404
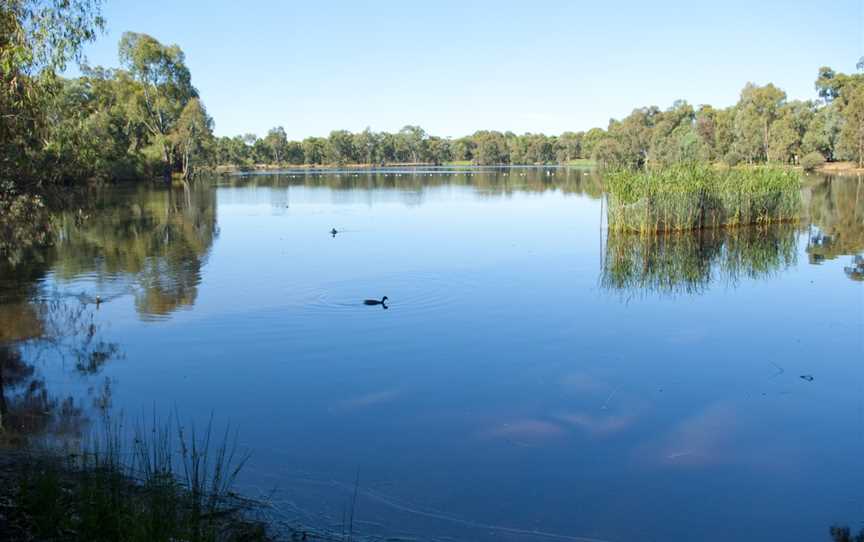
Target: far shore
229,169
840,168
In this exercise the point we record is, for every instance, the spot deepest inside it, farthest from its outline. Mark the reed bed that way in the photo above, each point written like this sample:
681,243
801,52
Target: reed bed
688,197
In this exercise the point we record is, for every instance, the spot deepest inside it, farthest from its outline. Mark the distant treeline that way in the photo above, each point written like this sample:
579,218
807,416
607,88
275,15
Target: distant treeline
764,126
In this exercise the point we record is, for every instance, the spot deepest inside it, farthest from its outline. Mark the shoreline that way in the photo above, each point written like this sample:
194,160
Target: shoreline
46,494
231,169
839,168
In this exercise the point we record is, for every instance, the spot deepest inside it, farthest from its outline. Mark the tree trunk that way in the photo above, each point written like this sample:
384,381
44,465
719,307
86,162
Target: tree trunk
167,164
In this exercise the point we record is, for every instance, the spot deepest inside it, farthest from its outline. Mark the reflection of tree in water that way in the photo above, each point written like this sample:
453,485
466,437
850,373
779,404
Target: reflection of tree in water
157,241
856,270
62,332
836,208
844,534
500,181
688,263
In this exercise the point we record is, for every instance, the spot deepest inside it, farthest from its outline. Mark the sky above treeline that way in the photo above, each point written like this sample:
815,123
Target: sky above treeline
454,67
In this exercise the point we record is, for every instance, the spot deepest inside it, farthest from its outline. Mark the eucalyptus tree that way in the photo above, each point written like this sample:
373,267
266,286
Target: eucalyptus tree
366,146
340,147
756,111
439,150
314,150
412,143
277,141
491,148
193,137
294,152
464,149
164,87
787,135
38,38
570,146
822,132
851,137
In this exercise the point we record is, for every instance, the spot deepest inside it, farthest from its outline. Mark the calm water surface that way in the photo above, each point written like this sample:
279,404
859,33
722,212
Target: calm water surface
530,379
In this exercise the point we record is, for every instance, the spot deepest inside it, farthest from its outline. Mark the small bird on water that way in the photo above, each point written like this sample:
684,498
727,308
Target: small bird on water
383,301
333,232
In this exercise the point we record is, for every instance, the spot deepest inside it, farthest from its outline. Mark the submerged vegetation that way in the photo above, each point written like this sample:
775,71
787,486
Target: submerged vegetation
693,197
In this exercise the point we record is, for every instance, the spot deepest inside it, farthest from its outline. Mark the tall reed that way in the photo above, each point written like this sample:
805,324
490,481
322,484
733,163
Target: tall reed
699,196
161,484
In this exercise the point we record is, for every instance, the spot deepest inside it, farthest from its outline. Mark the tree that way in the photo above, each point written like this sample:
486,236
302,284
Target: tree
439,150
851,140
674,138
412,143
787,136
822,132
294,152
366,145
314,150
193,136
756,112
491,148
277,141
37,39
633,136
569,146
340,147
163,90
590,140
464,148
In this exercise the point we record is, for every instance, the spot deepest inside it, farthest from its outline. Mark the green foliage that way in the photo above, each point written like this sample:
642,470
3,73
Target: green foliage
694,196
37,39
851,138
812,160
763,127
410,145
108,124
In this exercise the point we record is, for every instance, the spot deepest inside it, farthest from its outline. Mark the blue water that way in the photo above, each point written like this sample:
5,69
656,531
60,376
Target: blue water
508,391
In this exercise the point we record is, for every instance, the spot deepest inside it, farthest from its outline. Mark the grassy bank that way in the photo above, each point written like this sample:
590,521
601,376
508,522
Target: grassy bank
142,489
698,196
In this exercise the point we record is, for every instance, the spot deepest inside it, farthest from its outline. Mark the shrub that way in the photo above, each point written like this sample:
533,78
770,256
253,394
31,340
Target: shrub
812,160
732,158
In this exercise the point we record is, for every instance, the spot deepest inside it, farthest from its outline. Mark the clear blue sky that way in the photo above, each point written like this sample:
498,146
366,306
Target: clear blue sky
457,66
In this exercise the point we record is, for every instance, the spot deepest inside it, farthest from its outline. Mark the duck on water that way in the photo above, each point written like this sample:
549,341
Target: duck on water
382,301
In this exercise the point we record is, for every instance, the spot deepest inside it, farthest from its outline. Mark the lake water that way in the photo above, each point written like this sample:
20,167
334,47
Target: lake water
530,378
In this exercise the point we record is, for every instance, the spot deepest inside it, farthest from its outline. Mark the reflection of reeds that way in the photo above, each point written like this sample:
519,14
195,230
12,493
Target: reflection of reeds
689,262
693,197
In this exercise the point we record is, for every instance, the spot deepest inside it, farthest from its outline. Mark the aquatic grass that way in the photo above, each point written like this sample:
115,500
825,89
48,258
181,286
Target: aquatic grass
139,490
699,196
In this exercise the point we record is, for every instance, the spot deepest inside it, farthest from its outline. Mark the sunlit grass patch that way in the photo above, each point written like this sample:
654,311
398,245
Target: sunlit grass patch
698,196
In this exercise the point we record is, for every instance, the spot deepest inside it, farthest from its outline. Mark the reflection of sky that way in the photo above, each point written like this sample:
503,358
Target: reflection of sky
503,387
